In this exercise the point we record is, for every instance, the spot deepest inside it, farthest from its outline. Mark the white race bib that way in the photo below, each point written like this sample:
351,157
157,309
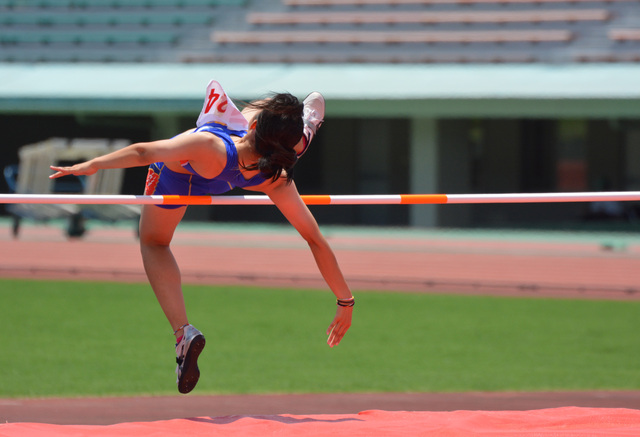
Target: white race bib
218,108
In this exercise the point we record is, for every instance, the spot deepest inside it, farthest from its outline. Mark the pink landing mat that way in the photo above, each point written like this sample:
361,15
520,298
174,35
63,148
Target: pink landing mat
566,421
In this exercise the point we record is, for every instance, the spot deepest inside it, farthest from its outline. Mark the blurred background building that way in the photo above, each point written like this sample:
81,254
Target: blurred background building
432,96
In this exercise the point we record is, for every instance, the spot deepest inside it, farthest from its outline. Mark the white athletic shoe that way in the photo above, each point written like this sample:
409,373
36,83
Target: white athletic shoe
187,352
313,116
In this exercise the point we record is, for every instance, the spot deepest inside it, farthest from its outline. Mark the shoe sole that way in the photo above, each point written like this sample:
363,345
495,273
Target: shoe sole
318,97
190,372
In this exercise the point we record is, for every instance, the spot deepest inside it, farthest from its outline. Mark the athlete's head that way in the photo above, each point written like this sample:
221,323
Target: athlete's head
278,128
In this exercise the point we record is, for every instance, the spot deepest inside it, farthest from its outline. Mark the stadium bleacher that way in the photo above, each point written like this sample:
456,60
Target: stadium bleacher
105,30
413,31
321,31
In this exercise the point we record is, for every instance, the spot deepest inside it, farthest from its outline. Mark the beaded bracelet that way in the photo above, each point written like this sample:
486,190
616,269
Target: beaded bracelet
346,302
182,327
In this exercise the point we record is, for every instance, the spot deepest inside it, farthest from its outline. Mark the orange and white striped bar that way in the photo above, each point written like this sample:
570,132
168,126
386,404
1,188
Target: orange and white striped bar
369,199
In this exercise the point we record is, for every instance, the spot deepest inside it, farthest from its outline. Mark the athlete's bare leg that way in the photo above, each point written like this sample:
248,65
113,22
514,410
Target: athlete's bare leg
157,226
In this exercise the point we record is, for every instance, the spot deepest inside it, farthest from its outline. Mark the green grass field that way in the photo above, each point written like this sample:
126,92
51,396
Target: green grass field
98,339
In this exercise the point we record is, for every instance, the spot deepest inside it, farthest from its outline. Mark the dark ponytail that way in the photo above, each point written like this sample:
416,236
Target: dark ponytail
278,129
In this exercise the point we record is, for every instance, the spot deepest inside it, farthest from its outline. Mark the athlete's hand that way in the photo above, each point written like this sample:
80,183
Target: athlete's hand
340,325
82,169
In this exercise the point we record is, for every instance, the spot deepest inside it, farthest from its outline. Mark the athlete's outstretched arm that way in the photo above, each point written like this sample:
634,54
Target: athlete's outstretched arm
197,146
286,198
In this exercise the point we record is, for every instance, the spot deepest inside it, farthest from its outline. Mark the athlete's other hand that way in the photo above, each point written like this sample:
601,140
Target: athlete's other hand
82,169
340,325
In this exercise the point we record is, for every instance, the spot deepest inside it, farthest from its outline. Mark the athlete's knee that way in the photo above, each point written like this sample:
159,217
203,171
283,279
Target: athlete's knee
150,239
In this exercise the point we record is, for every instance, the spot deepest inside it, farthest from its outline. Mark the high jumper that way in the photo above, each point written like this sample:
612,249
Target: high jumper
255,149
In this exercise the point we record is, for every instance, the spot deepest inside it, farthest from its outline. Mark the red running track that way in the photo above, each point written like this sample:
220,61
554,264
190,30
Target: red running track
551,265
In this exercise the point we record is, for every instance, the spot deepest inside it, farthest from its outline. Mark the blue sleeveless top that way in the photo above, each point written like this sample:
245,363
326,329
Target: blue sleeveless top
231,176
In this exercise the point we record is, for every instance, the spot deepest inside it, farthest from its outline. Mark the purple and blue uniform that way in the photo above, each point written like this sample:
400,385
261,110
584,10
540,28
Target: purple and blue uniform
222,120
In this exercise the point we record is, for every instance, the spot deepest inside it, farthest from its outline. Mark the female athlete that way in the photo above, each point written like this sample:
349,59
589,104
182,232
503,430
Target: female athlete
255,149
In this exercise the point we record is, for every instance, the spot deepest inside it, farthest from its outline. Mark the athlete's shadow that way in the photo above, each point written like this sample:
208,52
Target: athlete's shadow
225,420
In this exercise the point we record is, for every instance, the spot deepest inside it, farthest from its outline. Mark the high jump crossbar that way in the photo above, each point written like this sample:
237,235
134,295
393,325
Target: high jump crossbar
367,199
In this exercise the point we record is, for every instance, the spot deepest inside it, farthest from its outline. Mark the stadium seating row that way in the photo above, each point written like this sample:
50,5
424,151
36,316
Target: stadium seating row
21,36
362,37
625,34
527,16
72,53
90,4
131,18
